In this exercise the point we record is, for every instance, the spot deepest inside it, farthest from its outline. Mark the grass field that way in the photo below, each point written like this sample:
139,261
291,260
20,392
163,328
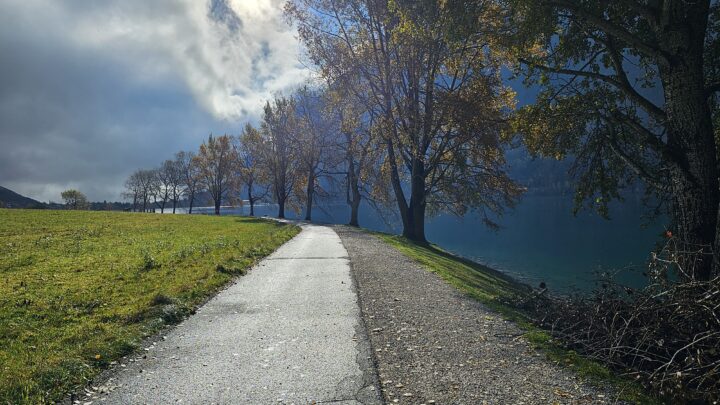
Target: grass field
493,289
80,289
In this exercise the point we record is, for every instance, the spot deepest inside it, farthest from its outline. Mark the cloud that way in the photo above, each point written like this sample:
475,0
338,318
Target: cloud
90,91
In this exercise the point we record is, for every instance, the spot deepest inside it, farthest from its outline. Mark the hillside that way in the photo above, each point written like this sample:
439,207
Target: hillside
11,199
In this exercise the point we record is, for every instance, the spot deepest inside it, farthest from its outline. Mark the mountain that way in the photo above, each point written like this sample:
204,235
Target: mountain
11,199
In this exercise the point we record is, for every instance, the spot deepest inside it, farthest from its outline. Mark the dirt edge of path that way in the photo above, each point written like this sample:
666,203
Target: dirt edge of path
432,344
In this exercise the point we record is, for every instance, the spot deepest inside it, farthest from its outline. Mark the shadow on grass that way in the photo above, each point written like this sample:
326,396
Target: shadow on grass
258,220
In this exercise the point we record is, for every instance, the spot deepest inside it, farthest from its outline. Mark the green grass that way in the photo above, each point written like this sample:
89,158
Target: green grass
81,289
493,289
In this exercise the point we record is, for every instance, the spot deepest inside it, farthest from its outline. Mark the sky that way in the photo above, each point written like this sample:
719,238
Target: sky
91,91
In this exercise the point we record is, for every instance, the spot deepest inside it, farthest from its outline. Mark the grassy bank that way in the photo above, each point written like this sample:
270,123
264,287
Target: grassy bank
81,289
493,289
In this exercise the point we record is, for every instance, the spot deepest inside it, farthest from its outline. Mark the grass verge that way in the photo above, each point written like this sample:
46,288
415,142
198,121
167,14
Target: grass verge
81,289
492,288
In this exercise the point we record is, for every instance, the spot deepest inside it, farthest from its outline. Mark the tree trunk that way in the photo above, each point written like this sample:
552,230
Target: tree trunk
416,209
174,205
354,199
309,192
355,206
399,194
418,218
217,206
192,199
281,208
354,211
251,200
690,137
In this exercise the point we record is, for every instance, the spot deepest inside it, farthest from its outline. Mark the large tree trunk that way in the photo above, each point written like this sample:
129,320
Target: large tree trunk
192,199
355,211
309,194
416,210
399,194
174,204
217,206
694,179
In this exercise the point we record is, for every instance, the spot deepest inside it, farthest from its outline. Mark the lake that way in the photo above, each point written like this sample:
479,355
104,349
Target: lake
540,240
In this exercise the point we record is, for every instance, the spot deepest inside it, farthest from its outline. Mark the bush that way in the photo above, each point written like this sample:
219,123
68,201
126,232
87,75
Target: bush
666,335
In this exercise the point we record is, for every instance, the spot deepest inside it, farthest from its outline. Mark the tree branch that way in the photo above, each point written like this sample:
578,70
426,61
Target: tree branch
655,111
610,28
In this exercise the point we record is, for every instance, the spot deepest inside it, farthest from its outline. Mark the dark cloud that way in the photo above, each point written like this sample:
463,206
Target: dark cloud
87,95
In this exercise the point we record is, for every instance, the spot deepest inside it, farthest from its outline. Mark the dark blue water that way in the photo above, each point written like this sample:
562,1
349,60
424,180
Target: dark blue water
539,241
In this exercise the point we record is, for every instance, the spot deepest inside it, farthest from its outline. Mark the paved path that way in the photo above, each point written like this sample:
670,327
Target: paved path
288,332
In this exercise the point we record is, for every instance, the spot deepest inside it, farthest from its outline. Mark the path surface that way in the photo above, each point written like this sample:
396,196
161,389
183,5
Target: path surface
435,345
288,332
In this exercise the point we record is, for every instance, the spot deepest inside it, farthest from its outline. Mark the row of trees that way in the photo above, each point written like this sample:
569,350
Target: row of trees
411,111
428,95
305,146
168,184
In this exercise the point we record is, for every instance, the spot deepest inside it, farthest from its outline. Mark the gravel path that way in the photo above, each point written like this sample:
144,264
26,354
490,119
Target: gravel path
288,332
434,345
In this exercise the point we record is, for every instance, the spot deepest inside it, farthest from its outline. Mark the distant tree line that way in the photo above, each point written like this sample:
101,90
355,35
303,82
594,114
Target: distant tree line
76,200
301,151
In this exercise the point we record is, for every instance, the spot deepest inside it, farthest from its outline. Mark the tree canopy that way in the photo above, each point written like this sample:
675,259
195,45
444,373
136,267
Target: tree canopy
436,98
627,89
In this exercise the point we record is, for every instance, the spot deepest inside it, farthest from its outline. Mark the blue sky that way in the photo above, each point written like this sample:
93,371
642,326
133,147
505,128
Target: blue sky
90,91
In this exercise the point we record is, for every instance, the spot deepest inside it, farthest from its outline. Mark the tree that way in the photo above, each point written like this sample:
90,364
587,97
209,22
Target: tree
170,182
215,162
358,146
189,174
313,141
74,199
250,170
133,190
276,152
159,189
597,63
146,179
436,96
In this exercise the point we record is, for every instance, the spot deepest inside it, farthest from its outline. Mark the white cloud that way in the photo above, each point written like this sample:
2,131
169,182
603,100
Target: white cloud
230,68
92,90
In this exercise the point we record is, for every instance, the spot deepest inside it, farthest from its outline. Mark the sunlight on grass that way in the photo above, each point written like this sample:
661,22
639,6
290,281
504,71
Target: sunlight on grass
80,289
